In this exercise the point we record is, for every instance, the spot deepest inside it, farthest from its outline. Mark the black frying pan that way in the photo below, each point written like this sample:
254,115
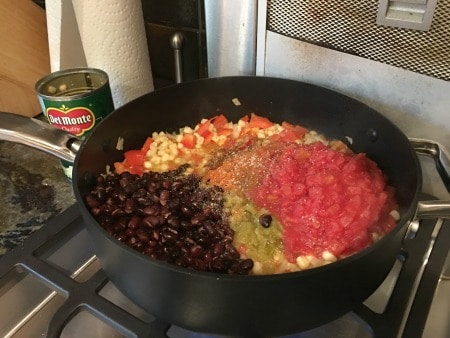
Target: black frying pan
248,305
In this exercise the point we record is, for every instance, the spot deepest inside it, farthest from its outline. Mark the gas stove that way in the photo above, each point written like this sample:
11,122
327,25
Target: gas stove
53,286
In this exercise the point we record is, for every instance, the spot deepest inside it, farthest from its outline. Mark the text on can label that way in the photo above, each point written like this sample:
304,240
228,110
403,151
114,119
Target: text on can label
75,120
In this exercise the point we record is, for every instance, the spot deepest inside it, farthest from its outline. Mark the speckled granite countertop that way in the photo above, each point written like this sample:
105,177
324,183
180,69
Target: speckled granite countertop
33,189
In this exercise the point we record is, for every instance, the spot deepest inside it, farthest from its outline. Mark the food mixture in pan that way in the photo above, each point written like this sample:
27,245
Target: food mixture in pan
245,197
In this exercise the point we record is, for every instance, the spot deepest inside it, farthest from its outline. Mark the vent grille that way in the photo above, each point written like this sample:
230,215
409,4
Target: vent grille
350,27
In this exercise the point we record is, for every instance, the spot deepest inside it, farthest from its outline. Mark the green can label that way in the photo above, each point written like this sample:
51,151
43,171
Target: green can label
75,100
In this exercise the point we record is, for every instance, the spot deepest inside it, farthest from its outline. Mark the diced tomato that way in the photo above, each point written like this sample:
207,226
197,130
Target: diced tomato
189,140
257,121
146,145
219,121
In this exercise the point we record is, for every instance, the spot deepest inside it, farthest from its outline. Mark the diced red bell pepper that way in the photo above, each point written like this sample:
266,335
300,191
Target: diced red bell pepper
133,162
219,121
288,136
203,127
189,140
207,136
242,249
257,121
245,118
224,131
120,167
135,157
146,145
299,131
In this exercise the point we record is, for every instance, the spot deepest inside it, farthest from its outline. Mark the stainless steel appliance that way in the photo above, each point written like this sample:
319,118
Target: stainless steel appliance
53,285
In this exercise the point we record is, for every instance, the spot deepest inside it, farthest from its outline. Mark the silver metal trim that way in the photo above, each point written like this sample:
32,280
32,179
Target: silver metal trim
231,37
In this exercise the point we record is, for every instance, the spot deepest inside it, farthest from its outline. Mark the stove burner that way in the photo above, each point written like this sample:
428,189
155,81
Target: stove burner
53,285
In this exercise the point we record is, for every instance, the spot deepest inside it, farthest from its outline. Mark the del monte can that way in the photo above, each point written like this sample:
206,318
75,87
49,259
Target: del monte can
75,100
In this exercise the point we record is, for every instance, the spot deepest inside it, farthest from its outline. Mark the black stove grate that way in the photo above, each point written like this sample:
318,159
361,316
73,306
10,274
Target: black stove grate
84,295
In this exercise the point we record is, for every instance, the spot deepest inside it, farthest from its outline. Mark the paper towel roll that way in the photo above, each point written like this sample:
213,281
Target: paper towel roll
65,47
112,35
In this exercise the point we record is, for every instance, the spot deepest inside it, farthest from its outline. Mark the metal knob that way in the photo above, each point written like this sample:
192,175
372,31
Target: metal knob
177,43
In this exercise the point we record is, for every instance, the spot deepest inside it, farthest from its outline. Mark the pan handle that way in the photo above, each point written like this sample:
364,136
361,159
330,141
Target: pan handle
433,209
39,135
430,209
438,153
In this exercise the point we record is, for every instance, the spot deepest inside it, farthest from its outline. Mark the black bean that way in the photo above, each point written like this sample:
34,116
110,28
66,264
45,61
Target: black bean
169,217
199,265
174,204
207,257
118,227
141,192
166,184
121,237
265,220
122,222
142,235
219,249
169,235
96,211
182,261
196,251
145,200
118,212
134,222
100,180
186,210
197,219
148,250
152,187
174,221
92,202
138,245
151,221
101,194
150,210
246,265
130,232
234,268
218,265
164,194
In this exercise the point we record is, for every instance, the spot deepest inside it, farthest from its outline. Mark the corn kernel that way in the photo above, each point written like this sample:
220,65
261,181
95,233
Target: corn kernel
328,256
302,262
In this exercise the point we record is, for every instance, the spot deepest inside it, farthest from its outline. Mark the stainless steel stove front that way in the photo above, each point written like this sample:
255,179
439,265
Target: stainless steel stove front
53,286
